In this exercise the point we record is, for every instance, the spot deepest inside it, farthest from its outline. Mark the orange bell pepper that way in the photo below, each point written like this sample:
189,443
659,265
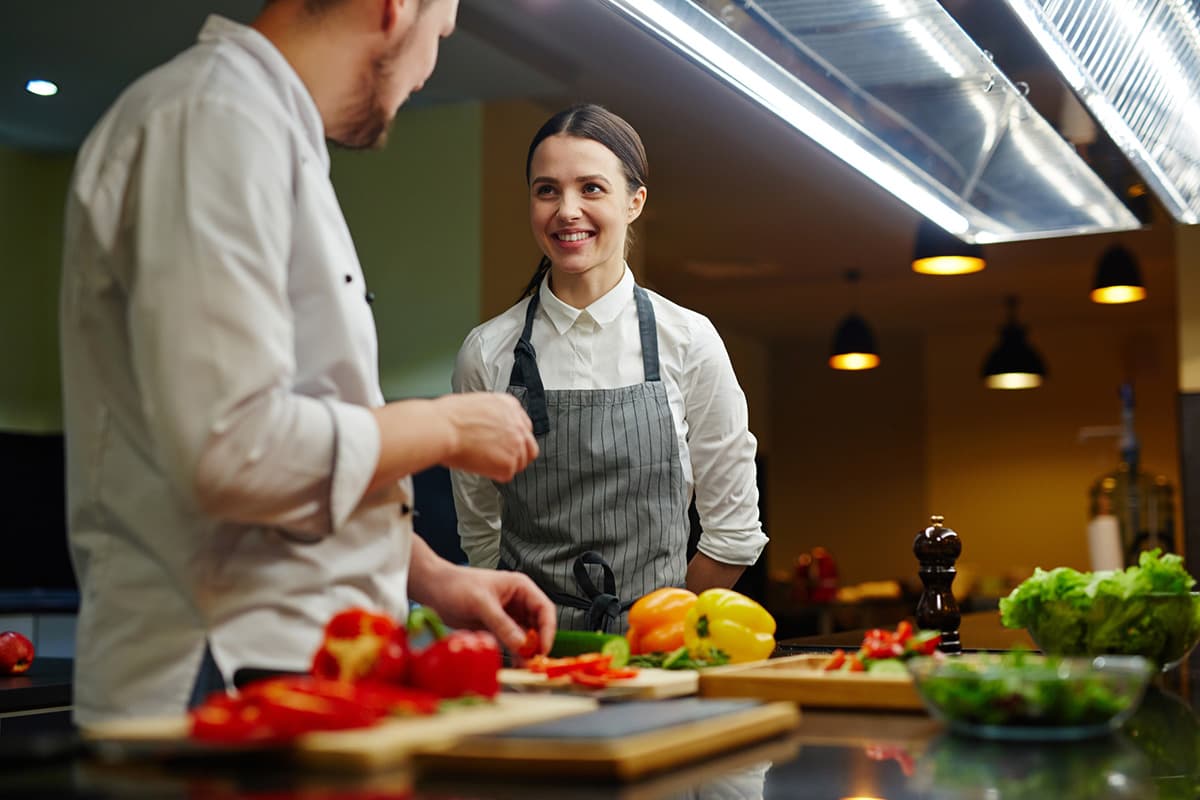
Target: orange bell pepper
656,621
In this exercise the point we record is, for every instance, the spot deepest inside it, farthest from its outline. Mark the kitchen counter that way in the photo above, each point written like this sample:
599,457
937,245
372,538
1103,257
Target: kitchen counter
46,685
832,755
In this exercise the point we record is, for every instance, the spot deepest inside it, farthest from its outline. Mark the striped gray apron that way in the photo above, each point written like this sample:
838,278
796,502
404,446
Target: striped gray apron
600,516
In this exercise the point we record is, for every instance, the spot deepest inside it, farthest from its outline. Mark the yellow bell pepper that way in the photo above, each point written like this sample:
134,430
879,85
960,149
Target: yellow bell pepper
656,620
730,622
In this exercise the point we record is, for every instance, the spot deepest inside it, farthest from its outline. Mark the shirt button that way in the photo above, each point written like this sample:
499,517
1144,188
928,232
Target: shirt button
370,297
349,278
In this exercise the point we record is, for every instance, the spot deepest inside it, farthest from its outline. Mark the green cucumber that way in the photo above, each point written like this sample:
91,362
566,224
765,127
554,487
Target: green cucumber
887,666
573,643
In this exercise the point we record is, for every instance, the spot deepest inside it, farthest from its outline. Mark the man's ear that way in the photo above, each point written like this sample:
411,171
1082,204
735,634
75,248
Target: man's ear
636,203
393,14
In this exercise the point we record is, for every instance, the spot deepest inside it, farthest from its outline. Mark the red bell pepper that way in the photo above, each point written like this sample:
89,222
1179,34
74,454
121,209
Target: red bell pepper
457,663
393,660
351,645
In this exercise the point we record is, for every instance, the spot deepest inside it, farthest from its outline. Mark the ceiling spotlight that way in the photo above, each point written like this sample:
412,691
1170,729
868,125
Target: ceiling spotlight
1013,364
1118,278
938,252
41,88
854,346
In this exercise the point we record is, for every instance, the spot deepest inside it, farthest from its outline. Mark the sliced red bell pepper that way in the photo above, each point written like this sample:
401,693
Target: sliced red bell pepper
352,642
835,661
532,645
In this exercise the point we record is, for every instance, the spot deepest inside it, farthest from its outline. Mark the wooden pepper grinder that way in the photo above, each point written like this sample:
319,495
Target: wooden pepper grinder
937,548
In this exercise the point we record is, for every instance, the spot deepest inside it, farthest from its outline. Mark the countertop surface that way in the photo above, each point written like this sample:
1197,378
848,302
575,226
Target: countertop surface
47,684
898,756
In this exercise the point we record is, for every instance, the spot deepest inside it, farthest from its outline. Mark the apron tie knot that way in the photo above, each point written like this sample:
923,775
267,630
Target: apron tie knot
605,610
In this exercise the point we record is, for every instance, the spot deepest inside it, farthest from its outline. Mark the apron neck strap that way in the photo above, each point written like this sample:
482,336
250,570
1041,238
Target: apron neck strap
649,332
525,372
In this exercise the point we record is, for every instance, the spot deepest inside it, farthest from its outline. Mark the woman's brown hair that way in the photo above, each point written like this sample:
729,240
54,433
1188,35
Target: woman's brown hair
589,121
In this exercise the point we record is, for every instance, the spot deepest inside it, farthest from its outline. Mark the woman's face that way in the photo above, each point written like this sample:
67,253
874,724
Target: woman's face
580,205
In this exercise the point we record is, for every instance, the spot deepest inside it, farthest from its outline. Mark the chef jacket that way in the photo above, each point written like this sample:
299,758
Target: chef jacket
599,347
219,359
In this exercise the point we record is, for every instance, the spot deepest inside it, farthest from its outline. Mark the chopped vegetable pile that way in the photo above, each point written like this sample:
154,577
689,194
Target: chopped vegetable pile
590,670
885,651
1143,610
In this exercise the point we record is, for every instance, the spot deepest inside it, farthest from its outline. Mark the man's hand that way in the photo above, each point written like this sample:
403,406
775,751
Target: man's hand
492,434
505,603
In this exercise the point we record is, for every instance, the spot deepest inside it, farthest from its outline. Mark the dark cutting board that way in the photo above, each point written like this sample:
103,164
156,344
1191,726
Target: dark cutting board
623,741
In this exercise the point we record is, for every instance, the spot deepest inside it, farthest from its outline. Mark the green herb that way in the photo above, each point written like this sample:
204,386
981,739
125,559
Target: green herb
680,659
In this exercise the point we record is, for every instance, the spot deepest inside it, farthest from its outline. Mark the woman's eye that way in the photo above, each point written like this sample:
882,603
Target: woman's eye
543,190
593,188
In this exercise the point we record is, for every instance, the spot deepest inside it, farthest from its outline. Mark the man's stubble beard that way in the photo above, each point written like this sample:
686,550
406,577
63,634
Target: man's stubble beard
367,121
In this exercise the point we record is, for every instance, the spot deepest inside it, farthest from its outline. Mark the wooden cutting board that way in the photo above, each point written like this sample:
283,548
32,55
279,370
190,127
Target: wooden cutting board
649,684
382,746
623,741
801,680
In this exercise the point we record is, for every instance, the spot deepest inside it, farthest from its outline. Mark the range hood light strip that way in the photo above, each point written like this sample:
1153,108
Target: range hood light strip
698,46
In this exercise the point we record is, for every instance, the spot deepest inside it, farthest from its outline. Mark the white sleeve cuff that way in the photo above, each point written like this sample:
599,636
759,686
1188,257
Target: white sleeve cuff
355,456
733,547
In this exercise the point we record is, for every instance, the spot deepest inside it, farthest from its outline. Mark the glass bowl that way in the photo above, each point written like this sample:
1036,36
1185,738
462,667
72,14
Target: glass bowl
1030,697
1163,628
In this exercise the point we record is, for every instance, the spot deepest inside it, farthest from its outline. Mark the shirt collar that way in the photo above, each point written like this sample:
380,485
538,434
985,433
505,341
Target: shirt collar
292,91
603,310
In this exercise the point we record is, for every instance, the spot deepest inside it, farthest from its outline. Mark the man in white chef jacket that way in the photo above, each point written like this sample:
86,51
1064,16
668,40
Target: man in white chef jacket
234,476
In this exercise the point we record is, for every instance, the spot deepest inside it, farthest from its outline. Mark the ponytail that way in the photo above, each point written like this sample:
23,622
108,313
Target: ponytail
542,268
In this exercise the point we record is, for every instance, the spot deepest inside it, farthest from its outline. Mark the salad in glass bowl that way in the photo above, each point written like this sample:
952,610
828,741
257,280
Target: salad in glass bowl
1026,696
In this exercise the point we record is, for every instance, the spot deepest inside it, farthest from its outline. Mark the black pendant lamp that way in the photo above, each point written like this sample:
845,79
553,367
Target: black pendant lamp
854,345
1013,364
1118,278
939,252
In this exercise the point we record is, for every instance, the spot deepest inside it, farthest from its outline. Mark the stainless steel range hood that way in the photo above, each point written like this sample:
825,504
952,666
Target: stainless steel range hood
897,90
1136,64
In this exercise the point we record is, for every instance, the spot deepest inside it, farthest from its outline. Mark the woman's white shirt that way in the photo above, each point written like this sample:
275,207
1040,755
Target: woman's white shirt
599,347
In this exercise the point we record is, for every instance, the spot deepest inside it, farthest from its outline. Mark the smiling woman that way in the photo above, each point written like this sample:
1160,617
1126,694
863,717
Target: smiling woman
632,397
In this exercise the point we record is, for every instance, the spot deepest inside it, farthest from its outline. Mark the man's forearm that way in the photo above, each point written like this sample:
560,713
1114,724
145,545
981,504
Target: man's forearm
413,435
707,573
427,572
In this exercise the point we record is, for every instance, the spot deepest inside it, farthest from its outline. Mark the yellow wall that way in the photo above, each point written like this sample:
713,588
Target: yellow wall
848,458
32,196
1008,469
509,253
1187,259
861,460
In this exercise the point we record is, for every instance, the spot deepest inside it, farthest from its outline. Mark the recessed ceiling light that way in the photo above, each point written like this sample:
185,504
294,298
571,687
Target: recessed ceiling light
41,88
